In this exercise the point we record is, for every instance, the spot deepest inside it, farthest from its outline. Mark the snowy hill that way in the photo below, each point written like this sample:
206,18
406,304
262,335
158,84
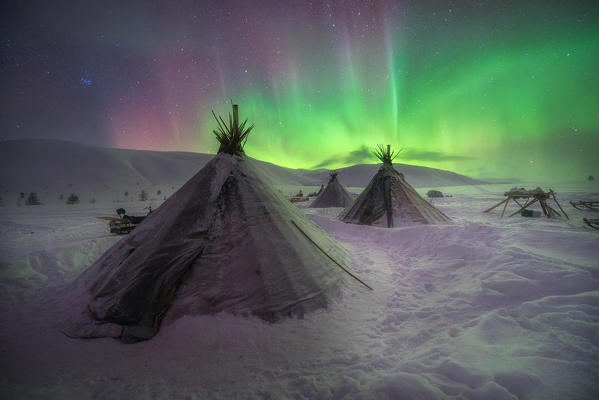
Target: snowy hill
53,167
361,174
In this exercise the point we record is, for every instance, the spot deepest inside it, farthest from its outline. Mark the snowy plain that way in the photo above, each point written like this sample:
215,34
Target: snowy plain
479,308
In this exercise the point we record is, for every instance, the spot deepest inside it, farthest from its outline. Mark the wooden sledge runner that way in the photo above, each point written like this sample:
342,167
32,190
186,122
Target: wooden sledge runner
530,197
585,205
592,222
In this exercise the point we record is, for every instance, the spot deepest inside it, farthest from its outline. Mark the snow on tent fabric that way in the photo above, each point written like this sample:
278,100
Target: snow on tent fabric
334,195
389,200
226,241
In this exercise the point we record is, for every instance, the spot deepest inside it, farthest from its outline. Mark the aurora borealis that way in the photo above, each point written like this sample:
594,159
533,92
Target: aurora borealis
492,89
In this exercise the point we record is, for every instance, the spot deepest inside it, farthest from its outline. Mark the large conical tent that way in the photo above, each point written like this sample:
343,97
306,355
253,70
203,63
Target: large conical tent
389,200
334,195
226,241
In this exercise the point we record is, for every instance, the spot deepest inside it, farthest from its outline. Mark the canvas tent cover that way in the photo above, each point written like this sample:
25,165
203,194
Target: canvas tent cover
334,195
224,242
390,201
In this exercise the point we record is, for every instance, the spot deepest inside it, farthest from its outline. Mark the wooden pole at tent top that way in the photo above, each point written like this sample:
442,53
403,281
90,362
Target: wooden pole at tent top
388,149
235,116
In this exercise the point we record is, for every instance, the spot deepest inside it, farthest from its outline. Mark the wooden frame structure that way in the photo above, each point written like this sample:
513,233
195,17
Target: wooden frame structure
530,197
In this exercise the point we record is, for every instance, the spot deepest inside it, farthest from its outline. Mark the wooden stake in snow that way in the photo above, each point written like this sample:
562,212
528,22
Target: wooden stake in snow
560,207
330,258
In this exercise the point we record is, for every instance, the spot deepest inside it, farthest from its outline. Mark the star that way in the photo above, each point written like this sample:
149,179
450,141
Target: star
85,82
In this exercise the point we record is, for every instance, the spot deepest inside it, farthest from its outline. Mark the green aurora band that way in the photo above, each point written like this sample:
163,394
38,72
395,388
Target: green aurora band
520,103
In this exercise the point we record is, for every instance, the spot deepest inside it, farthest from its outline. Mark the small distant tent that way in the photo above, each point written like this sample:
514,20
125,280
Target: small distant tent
389,200
334,195
226,241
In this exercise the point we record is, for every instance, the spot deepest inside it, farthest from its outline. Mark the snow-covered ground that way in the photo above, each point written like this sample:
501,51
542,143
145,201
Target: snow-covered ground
480,308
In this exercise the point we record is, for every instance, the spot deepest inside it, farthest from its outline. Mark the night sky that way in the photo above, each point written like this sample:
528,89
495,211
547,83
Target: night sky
493,89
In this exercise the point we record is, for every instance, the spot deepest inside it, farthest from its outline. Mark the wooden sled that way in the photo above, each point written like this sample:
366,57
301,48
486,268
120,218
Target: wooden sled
585,205
125,223
120,226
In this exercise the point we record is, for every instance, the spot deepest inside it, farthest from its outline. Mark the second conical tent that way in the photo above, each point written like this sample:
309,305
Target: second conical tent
390,201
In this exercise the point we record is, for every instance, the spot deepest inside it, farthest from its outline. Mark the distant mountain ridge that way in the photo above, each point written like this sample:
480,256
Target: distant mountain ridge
57,166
